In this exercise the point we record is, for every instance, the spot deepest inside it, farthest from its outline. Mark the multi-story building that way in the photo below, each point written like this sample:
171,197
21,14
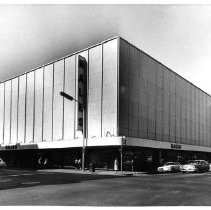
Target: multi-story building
137,110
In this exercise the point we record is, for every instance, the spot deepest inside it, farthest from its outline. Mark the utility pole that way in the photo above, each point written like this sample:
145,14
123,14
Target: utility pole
67,96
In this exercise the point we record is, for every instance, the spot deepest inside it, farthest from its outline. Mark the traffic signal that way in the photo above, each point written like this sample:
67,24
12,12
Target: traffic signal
123,141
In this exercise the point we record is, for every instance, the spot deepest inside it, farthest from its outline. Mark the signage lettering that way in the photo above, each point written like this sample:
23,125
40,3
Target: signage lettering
176,146
11,147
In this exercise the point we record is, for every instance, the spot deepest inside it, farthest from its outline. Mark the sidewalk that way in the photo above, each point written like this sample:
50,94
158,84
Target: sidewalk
97,172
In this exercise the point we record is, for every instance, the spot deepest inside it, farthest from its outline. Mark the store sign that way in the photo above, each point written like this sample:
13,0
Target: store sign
11,147
82,91
176,146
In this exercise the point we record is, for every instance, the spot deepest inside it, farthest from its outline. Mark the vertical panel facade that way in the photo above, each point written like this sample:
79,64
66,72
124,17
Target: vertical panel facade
32,109
169,108
154,102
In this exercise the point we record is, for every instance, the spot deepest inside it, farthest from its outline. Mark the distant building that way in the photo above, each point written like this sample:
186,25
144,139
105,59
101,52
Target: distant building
135,104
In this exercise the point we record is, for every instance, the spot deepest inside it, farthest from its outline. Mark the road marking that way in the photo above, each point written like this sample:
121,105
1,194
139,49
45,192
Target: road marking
30,183
6,180
21,174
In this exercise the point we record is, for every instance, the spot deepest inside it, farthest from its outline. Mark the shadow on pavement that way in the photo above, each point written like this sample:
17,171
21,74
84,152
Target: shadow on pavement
10,179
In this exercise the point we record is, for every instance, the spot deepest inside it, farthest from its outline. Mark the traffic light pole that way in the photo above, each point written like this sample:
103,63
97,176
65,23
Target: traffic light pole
84,140
121,156
123,143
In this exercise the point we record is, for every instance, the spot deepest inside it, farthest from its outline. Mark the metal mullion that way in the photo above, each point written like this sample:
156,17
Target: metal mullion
10,111
17,109
155,86
43,71
118,55
87,97
175,95
63,102
24,139
147,95
128,90
4,116
102,94
169,76
33,126
75,97
52,102
139,68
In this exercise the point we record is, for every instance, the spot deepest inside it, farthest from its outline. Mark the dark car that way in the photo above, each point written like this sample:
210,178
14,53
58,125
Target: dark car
195,166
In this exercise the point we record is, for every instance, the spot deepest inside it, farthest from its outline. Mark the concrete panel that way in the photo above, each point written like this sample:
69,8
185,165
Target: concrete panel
38,115
95,92
197,118
2,113
159,125
14,111
30,108
109,106
58,101
21,108
69,106
47,112
159,76
134,61
7,116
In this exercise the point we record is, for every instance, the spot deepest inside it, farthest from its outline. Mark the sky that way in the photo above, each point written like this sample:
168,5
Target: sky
179,36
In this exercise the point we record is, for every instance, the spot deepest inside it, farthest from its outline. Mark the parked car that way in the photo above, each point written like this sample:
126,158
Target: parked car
2,164
195,166
169,167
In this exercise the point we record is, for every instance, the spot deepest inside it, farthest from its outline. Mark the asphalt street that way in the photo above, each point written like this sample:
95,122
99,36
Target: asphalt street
25,187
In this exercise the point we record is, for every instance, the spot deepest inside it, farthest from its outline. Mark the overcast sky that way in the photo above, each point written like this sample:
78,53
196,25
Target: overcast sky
179,36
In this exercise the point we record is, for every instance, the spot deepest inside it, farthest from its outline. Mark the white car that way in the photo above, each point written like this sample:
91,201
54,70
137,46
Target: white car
2,164
169,167
195,166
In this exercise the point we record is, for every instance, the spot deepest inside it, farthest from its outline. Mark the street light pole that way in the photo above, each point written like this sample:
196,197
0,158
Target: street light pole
67,96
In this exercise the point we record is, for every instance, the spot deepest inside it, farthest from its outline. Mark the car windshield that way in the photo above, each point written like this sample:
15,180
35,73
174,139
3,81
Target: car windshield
169,163
193,161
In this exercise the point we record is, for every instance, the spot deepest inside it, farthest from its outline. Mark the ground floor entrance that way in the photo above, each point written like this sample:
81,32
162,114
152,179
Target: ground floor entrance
127,158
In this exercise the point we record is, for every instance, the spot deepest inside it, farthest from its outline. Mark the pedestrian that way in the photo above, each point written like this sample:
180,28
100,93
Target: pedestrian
39,162
79,163
115,165
45,163
132,165
76,163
